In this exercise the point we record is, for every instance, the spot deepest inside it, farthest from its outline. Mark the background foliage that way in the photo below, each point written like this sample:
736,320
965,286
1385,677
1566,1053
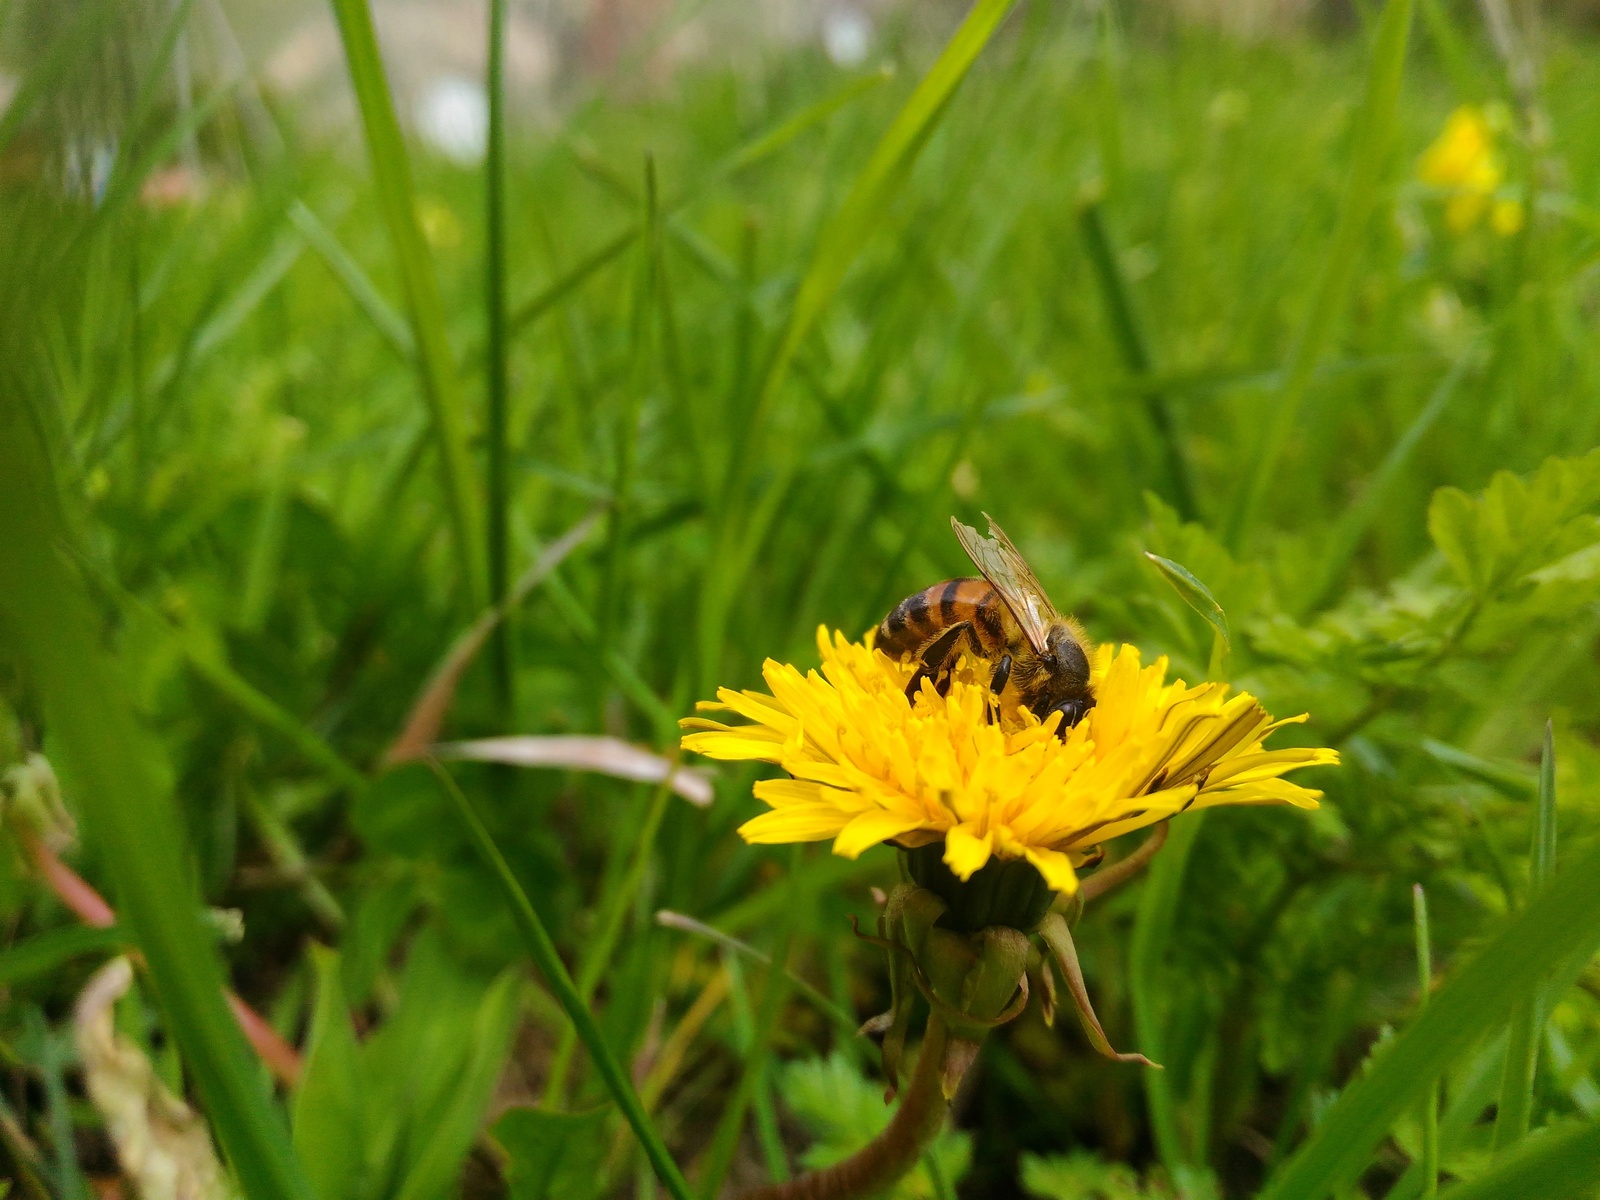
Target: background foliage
248,433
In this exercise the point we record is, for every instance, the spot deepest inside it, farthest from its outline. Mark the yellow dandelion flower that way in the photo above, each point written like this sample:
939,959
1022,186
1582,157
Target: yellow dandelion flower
1464,165
1463,155
867,767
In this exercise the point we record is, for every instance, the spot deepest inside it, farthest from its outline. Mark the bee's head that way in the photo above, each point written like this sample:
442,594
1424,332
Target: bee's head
1068,663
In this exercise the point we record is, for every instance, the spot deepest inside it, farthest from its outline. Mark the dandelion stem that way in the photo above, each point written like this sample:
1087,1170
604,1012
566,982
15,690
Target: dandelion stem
876,1166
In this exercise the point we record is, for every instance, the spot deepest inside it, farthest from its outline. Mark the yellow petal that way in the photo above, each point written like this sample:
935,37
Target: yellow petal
1266,791
965,851
1056,868
732,746
870,828
793,823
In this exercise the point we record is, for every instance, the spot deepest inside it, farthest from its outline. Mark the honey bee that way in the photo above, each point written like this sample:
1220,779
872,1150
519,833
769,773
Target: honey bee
1040,656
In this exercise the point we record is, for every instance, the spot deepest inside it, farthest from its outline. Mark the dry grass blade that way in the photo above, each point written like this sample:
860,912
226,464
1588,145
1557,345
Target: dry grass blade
579,752
428,711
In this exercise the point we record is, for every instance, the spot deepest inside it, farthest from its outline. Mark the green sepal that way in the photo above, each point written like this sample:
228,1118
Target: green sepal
1058,939
902,987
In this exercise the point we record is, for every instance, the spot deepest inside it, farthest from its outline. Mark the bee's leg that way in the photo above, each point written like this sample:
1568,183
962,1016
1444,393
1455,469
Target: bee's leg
1072,711
934,656
997,684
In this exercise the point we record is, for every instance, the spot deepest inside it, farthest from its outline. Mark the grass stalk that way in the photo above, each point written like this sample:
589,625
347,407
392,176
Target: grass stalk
1345,538
396,197
536,940
1556,932
725,1142
497,368
598,952
1515,1109
1563,1165
1134,345
128,810
1430,1103
1152,932
1375,127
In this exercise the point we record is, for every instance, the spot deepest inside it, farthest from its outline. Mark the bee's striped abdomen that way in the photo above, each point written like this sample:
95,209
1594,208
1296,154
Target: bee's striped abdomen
922,616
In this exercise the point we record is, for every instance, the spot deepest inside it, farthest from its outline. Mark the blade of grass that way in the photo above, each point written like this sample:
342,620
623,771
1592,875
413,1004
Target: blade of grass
440,383
390,325
1342,542
628,681
1152,931
1375,127
1474,1086
599,949
867,203
1134,345
1515,1110
48,952
674,920
841,241
1430,1103
1558,932
1562,1165
752,1076
497,527
118,781
426,716
536,940
758,150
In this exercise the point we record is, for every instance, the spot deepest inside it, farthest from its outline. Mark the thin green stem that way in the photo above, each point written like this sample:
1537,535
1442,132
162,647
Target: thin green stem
1134,345
440,383
613,917
1152,931
536,940
1430,1105
1375,126
1515,1110
497,526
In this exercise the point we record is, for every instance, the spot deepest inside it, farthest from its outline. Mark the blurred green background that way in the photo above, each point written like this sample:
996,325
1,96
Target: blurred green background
1175,279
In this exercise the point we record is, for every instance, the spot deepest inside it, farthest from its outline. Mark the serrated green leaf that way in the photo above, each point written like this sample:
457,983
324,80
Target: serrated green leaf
1193,593
844,1110
1518,527
1081,1175
1453,527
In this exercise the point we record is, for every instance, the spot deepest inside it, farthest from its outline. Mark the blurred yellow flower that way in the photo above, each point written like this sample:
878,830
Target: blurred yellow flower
1464,165
439,223
868,767
1506,217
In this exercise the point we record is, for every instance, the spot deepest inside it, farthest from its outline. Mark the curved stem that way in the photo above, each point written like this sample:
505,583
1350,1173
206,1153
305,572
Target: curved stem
893,1152
1122,870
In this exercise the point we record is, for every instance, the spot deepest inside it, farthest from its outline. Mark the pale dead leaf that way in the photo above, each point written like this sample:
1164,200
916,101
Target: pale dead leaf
603,755
163,1146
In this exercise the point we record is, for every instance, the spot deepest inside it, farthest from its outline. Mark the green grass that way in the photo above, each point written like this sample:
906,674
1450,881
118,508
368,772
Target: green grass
1145,294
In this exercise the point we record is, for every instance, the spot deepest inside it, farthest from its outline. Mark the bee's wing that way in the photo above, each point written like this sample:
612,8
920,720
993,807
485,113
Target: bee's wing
1002,565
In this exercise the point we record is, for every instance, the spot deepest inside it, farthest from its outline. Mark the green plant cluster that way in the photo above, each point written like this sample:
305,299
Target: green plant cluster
283,412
